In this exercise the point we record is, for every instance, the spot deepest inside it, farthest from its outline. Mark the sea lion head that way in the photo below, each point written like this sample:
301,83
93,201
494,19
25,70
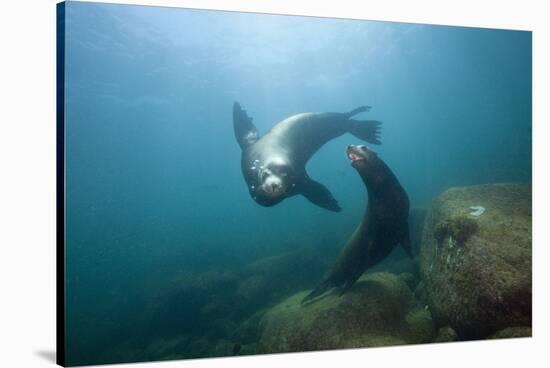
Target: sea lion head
361,157
269,182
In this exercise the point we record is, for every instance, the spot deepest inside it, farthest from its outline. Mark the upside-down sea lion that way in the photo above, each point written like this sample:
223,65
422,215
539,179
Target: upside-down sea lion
384,225
273,166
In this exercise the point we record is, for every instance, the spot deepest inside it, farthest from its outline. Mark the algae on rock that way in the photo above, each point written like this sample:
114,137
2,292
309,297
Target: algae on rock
379,310
476,271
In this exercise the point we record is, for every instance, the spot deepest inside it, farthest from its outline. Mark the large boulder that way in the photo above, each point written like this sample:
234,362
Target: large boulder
512,332
379,310
417,217
476,270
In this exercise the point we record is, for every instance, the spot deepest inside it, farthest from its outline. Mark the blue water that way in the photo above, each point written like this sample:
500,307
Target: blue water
154,188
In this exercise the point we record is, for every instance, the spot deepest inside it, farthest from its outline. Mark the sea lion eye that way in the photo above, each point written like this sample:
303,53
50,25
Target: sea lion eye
363,148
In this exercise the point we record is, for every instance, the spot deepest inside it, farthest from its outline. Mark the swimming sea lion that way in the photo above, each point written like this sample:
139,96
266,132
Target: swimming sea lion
273,166
384,225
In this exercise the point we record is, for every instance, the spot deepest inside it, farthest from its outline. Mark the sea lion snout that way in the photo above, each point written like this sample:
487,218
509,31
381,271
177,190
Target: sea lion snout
356,153
273,186
270,193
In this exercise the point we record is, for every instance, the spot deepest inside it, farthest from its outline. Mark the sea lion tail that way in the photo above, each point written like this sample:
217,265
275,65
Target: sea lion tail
366,130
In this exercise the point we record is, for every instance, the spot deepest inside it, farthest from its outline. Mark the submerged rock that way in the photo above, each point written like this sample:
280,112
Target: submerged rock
409,279
248,331
379,310
476,270
417,217
269,280
512,332
445,334
420,293
248,349
217,312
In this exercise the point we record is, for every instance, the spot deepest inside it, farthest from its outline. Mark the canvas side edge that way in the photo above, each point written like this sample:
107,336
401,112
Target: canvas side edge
60,185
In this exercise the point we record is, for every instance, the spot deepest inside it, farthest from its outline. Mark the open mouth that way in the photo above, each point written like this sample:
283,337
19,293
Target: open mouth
273,187
272,192
353,155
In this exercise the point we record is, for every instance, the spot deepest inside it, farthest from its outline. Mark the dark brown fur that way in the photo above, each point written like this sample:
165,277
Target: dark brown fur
384,225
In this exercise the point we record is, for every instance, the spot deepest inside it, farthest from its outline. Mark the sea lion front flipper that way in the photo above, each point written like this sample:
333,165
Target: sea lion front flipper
318,194
245,132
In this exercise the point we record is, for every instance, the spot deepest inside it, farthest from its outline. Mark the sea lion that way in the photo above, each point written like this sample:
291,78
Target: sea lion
384,225
273,166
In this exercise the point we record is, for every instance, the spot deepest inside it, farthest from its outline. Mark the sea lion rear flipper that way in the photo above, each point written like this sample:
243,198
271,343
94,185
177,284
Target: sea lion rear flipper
245,132
347,285
358,110
319,290
406,244
366,130
318,194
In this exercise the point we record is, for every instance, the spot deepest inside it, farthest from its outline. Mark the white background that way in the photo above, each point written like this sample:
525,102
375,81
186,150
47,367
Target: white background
27,182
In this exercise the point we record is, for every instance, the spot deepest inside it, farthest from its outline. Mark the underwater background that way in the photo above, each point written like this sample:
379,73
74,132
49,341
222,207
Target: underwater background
167,256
